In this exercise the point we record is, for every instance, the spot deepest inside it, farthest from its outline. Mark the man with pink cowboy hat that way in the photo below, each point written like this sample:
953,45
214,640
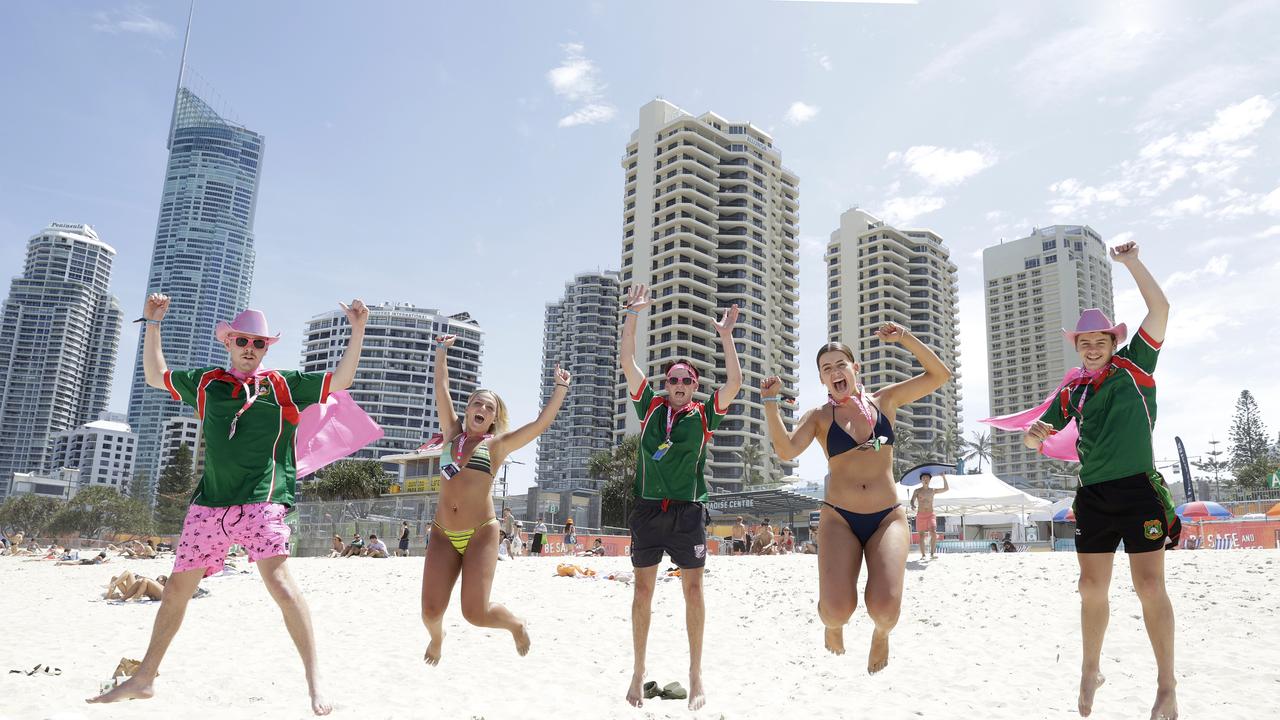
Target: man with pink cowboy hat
1102,416
250,417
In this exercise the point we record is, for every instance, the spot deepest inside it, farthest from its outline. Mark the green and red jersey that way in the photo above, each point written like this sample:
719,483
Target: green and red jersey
256,462
679,472
1115,414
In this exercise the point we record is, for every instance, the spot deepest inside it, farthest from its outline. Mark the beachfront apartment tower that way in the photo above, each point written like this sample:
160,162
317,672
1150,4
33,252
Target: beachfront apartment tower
580,334
878,273
1035,287
395,383
59,334
203,255
710,219
101,450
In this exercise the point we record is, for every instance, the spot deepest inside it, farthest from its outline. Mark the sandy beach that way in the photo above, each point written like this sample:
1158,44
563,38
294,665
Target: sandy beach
996,635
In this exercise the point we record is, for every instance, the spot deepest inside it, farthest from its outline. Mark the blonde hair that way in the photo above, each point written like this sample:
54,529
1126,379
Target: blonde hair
500,418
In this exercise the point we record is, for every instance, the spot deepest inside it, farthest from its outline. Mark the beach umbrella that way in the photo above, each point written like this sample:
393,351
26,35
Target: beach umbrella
1066,514
1274,511
912,477
1202,510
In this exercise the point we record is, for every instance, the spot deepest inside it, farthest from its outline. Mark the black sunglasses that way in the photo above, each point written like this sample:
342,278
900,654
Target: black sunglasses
681,380
258,343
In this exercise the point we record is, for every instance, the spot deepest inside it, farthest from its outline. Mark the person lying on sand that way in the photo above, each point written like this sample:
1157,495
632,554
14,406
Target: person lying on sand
127,586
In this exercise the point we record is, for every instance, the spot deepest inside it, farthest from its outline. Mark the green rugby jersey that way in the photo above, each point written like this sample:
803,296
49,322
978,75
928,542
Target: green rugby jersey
257,464
679,473
1115,417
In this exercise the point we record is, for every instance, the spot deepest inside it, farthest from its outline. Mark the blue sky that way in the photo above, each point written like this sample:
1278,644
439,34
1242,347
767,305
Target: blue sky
465,156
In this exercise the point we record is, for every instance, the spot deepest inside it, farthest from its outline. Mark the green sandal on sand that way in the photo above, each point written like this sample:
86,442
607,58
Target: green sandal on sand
651,690
674,691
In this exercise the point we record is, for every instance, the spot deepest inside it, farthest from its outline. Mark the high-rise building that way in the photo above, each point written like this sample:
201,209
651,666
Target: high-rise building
580,334
203,255
878,273
179,431
710,220
102,451
59,333
1035,287
395,383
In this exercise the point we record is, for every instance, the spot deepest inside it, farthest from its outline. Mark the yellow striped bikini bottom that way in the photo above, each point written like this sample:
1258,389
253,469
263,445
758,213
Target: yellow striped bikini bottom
460,539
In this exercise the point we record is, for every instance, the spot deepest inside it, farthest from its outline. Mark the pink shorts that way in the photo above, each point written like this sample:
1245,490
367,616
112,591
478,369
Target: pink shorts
926,522
208,532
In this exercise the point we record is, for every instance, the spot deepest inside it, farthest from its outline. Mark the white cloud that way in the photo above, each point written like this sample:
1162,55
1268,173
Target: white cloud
1215,267
943,166
947,63
822,59
132,20
800,113
577,79
1211,156
904,210
1272,231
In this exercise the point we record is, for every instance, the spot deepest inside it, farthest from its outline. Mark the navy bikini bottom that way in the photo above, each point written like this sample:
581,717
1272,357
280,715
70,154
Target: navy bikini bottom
863,525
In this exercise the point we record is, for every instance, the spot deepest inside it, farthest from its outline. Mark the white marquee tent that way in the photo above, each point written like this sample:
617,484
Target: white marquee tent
981,494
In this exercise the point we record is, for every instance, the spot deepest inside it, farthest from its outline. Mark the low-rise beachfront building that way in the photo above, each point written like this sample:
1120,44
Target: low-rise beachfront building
103,452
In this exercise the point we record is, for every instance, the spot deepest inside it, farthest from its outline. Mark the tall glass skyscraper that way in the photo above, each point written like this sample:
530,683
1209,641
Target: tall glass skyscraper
59,332
203,255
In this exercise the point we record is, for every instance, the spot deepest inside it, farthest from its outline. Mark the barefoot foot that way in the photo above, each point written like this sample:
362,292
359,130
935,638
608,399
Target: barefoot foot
697,698
135,688
878,658
1166,706
635,692
834,640
319,705
1089,684
521,636
432,656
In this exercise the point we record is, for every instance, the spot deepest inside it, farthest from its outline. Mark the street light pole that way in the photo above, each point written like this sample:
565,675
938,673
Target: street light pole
505,464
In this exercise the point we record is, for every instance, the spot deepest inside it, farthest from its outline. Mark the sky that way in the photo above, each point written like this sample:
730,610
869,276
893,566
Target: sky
466,156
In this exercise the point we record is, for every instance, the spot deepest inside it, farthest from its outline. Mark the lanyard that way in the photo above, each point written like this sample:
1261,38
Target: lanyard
862,406
251,396
460,450
672,415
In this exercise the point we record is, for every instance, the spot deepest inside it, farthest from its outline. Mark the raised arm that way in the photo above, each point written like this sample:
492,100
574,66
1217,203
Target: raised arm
637,301
935,375
732,368
914,493
787,445
503,445
945,485
153,365
444,401
1157,319
345,373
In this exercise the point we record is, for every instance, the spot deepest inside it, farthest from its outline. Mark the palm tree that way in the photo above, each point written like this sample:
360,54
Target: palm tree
750,455
981,446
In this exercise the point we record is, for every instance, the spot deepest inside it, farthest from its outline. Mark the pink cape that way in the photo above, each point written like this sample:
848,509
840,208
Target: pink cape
1062,444
330,431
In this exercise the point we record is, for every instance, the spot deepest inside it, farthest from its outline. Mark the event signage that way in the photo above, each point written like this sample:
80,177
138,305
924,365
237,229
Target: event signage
1188,487
727,504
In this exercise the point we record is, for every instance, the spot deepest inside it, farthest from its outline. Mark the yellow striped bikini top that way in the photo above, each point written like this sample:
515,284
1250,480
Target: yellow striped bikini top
479,459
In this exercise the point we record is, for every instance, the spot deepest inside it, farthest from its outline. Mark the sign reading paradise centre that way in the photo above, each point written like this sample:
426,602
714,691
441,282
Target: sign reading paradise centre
730,504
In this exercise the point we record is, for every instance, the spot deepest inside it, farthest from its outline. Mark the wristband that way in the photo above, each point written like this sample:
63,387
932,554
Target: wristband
561,385
147,321
633,312
770,399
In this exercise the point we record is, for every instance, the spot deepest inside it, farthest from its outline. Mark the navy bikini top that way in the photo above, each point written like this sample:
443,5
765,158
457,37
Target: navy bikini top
839,441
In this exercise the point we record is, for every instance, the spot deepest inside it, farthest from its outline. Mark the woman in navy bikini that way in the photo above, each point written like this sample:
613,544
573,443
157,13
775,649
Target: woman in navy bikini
861,517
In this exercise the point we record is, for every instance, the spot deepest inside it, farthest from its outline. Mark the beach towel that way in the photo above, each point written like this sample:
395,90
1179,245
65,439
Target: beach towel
330,431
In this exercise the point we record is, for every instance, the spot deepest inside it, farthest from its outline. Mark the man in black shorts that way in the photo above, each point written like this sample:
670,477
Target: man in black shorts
670,515
740,537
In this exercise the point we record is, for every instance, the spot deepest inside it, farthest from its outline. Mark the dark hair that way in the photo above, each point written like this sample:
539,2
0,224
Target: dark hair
375,537
833,347
678,361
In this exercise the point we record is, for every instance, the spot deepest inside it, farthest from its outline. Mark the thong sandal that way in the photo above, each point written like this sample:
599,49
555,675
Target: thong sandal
674,691
651,690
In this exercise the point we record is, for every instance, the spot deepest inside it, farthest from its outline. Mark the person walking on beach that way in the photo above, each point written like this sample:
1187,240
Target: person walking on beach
250,416
570,538
464,533
402,549
1111,398
670,486
507,531
926,521
539,537
861,517
740,537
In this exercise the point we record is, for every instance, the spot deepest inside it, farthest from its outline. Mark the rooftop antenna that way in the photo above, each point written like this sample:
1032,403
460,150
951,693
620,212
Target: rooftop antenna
182,72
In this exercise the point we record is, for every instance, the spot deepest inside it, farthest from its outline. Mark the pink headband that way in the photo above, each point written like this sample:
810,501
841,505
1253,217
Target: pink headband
687,366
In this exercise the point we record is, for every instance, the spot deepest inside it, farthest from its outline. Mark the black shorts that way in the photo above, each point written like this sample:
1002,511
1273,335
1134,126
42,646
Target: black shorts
404,543
1131,509
680,530
739,545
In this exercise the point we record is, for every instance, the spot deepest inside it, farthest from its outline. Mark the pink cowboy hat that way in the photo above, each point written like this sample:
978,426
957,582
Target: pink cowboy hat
250,322
1094,320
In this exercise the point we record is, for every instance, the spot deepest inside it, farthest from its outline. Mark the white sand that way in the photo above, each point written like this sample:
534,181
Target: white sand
996,634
